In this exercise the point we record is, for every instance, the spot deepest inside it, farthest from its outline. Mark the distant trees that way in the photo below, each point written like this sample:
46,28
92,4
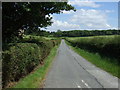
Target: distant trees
58,33
29,16
83,33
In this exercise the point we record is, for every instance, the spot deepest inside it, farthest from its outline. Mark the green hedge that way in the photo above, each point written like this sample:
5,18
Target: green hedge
105,45
21,58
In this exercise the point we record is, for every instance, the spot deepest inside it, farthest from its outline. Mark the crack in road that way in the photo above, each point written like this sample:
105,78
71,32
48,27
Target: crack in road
88,72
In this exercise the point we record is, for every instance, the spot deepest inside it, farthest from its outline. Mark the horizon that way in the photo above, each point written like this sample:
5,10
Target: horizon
79,30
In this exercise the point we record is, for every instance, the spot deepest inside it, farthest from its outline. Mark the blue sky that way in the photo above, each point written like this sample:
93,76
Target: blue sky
89,16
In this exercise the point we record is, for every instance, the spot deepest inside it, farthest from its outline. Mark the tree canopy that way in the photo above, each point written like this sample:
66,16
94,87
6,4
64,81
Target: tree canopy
29,15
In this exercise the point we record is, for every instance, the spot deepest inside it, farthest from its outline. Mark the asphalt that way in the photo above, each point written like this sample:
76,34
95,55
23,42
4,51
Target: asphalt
70,70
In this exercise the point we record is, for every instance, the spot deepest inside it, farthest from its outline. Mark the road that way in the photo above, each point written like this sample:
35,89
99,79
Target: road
70,70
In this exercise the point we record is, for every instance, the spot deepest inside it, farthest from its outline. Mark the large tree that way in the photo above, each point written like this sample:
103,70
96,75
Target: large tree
28,15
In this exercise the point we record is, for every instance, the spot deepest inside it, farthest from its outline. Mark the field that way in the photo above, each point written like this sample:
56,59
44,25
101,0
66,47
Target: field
103,51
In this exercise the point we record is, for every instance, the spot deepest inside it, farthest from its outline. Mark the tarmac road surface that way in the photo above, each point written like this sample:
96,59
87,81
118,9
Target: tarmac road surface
70,70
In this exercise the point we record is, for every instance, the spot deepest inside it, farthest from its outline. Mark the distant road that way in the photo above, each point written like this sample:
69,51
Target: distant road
70,70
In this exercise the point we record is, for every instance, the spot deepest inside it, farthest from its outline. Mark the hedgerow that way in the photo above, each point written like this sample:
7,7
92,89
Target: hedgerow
21,58
105,45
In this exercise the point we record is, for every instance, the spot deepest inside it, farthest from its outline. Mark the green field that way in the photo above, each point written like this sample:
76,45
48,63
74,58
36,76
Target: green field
103,51
103,36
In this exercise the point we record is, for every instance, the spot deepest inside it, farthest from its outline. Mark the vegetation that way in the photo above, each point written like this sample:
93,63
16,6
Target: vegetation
104,45
19,61
21,58
74,33
103,51
34,79
85,33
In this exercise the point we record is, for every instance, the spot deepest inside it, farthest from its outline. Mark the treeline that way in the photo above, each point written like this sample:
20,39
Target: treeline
83,33
73,33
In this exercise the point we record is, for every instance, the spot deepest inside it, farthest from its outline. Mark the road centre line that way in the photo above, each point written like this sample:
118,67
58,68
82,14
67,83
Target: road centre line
85,84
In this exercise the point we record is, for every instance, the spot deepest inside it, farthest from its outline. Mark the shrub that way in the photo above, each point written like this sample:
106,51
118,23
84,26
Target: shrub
20,60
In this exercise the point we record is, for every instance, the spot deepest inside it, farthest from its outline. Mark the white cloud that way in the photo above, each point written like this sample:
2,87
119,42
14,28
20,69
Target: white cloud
90,19
62,25
82,3
68,12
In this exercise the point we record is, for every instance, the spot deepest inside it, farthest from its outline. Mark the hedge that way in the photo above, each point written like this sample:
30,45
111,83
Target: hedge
106,45
21,58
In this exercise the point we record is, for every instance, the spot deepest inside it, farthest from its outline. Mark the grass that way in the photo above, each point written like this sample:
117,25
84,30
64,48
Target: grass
106,36
34,79
101,62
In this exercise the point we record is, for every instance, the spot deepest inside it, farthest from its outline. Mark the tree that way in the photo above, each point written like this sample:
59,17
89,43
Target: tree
24,15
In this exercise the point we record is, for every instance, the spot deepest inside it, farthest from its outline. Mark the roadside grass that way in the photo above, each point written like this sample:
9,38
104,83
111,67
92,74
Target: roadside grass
104,63
34,79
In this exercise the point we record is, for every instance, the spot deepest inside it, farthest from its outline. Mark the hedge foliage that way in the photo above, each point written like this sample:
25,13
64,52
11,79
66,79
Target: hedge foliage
21,58
104,45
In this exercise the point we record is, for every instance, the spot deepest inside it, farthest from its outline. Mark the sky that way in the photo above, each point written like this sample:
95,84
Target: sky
89,15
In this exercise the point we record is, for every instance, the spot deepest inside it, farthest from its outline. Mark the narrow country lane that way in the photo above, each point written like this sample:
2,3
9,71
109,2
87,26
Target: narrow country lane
70,70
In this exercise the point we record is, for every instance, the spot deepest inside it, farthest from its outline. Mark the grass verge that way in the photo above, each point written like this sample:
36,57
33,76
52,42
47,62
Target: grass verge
101,62
34,79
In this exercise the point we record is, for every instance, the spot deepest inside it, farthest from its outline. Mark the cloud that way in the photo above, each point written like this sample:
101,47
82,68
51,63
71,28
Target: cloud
68,12
87,19
90,19
82,3
62,25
